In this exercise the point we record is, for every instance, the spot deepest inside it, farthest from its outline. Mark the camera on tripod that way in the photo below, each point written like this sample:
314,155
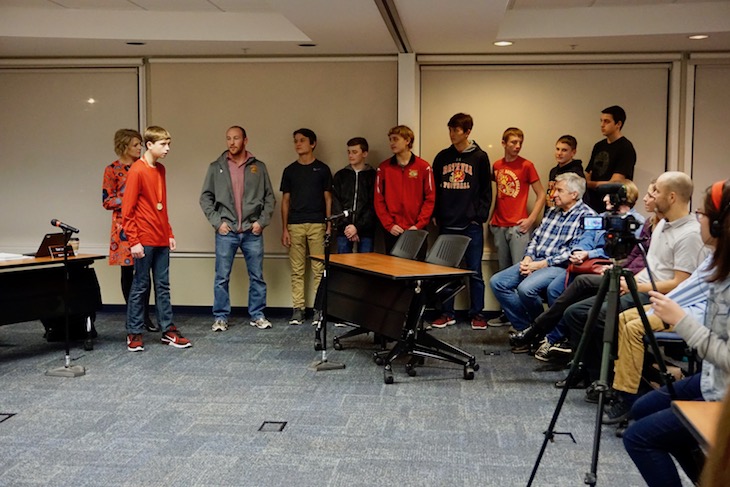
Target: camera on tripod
620,229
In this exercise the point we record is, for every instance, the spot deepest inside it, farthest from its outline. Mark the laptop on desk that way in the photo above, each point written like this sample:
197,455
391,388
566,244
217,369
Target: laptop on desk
52,245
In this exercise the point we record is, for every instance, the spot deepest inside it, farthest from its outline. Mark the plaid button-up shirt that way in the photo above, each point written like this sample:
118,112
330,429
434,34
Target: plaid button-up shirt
554,238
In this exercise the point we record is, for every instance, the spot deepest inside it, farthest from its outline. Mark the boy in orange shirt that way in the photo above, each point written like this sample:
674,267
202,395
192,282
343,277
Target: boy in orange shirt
511,225
147,227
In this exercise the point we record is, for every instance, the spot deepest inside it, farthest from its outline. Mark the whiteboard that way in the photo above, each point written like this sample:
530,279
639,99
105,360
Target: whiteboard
55,144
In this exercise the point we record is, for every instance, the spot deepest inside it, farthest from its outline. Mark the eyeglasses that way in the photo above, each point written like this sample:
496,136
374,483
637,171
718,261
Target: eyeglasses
699,213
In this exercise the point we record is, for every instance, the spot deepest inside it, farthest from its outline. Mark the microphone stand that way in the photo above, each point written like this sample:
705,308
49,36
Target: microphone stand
320,332
67,370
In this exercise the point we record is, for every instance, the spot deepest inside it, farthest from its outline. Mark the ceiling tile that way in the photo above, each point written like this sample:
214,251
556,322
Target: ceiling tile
95,4
176,5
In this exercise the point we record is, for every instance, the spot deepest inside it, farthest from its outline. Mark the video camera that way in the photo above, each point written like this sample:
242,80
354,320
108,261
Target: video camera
620,229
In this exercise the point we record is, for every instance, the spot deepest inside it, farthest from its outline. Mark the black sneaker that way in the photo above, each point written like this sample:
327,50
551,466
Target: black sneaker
592,394
621,428
616,412
150,326
500,320
297,316
580,381
522,348
559,349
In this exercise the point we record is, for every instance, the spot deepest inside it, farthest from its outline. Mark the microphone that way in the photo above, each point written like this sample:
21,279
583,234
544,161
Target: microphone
63,226
610,188
344,214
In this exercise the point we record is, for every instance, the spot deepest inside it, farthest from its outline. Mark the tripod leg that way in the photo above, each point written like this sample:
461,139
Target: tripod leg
592,315
609,333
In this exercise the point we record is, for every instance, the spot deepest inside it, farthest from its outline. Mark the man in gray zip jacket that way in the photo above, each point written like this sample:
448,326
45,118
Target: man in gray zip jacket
238,201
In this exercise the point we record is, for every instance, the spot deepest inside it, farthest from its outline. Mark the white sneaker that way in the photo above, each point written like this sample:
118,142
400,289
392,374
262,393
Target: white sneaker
317,318
297,316
542,352
261,323
219,325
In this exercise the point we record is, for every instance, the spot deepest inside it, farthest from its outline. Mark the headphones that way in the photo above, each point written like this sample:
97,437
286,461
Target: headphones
716,192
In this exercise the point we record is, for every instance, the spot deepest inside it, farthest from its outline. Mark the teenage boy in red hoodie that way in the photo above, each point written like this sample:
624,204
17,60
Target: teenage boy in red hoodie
404,188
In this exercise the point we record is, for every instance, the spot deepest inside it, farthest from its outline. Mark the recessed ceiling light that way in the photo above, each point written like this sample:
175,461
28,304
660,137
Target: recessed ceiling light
135,43
307,44
699,37
503,43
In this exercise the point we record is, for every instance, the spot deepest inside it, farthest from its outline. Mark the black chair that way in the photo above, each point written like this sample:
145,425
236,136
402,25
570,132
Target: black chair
675,347
448,250
407,246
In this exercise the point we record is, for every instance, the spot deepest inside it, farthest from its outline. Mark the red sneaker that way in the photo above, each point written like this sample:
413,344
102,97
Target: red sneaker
134,343
478,322
443,321
173,337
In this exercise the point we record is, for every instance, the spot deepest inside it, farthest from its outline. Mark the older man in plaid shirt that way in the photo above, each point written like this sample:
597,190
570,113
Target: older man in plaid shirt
518,288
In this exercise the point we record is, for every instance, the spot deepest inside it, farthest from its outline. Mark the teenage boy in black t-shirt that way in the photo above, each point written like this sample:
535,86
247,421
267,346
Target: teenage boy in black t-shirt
307,201
613,158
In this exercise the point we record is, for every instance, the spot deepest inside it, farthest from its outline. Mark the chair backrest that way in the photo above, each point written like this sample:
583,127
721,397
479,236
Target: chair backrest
409,243
448,250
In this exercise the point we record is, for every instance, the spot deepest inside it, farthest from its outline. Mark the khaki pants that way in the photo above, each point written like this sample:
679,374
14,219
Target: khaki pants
303,235
627,368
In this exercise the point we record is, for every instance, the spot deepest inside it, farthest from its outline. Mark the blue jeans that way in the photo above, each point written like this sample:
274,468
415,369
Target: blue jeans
345,246
520,296
156,259
658,434
558,333
473,261
226,247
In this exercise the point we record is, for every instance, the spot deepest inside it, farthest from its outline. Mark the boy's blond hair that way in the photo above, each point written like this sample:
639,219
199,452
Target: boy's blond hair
404,132
153,133
513,131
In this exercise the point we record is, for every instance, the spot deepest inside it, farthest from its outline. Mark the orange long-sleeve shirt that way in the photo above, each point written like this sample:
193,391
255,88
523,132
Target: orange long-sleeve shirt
142,221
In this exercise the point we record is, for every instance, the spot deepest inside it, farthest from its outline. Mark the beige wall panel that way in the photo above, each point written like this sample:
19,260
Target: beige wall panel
711,144
547,102
197,102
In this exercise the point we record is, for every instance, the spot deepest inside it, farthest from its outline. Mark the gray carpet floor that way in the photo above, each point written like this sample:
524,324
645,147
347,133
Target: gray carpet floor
210,415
